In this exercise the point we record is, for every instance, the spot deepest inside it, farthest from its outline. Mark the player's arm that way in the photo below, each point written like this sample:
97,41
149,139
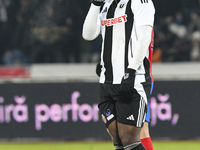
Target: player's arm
91,27
144,39
144,19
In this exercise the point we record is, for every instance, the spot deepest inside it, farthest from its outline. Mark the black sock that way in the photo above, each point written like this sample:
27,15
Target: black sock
135,146
119,147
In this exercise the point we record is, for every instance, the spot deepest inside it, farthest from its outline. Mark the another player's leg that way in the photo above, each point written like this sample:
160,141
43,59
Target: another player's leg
144,134
145,137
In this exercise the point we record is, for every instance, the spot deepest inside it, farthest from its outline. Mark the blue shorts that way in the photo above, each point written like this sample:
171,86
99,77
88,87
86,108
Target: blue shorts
147,119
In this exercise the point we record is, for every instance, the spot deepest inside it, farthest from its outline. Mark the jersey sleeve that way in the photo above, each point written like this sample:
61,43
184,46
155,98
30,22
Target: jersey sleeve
91,26
143,11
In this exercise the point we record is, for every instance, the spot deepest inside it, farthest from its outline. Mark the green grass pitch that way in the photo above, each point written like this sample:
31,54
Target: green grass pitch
158,145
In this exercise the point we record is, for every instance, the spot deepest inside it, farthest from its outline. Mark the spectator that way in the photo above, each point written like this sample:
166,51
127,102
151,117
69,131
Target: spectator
47,35
49,31
194,23
194,35
75,20
7,22
177,27
19,46
195,48
157,54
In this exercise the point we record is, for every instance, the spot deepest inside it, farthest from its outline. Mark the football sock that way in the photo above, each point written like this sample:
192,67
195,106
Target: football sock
119,147
135,146
147,143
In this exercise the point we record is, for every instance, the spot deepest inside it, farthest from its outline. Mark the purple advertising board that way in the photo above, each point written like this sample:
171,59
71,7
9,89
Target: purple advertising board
174,109
69,111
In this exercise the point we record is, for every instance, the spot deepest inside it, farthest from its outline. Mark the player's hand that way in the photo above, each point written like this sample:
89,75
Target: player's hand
98,68
127,85
129,78
98,2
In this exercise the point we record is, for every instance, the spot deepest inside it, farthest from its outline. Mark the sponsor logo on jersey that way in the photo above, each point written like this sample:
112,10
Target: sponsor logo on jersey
130,118
110,117
114,21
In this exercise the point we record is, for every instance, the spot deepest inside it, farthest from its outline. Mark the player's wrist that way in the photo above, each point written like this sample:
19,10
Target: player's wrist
131,71
129,77
98,2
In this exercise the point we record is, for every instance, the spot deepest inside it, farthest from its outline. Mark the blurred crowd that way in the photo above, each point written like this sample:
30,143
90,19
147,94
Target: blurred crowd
41,31
49,31
177,30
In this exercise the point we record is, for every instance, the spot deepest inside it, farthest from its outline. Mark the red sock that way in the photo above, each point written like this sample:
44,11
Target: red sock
147,143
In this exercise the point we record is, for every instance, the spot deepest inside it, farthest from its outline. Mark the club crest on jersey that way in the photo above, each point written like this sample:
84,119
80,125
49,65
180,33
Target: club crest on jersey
114,21
121,5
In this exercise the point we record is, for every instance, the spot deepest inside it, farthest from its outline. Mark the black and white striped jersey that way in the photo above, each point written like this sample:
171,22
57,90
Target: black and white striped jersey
118,20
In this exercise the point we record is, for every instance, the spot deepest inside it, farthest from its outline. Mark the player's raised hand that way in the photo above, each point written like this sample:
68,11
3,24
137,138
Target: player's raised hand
98,2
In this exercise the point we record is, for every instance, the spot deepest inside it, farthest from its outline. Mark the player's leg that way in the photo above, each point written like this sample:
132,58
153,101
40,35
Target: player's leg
125,135
130,137
112,128
131,112
144,134
108,112
145,137
130,118
113,131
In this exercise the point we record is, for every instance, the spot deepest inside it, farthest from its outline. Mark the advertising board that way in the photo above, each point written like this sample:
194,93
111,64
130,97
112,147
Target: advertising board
69,111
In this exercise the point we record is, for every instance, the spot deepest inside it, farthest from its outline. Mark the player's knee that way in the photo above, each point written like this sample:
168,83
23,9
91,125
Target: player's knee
129,134
116,140
128,139
115,137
